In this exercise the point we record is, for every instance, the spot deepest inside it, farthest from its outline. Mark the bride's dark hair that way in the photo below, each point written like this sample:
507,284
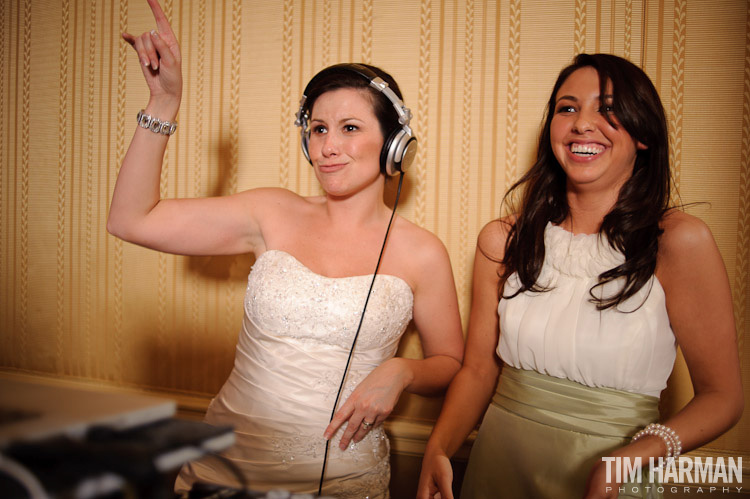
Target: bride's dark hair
632,226
334,79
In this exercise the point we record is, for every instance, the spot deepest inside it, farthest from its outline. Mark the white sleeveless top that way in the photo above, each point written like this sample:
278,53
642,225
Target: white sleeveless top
561,333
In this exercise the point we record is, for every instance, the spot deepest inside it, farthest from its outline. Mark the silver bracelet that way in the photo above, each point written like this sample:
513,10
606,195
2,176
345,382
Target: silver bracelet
155,124
668,435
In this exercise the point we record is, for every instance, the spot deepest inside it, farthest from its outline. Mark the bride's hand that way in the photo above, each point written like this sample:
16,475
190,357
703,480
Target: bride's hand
370,403
160,59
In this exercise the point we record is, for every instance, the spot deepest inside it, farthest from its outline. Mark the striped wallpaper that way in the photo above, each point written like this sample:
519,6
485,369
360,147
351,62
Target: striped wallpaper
78,304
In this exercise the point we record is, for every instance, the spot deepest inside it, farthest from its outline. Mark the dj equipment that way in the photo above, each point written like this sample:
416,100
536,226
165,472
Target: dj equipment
399,148
209,491
60,441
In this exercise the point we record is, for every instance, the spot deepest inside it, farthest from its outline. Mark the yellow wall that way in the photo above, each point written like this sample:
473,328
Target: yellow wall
77,304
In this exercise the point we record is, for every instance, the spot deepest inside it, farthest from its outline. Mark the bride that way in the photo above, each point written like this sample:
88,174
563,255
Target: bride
315,263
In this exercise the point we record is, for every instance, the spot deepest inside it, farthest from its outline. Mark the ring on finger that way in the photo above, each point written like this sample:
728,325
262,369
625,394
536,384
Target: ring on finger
367,425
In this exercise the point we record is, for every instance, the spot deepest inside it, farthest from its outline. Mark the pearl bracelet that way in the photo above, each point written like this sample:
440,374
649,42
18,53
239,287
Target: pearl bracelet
155,124
667,434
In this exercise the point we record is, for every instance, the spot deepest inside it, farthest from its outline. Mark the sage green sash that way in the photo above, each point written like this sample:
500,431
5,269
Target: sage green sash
542,435
573,406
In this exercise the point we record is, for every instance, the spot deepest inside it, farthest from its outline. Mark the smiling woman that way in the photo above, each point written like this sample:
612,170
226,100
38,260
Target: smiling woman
312,281
583,295
593,149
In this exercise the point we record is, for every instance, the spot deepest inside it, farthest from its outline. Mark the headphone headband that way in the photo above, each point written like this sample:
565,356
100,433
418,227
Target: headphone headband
399,147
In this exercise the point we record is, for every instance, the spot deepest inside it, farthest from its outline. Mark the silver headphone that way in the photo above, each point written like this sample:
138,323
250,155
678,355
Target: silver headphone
399,148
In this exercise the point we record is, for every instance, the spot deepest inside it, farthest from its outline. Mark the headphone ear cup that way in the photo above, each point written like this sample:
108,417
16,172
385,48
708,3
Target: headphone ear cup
398,152
305,142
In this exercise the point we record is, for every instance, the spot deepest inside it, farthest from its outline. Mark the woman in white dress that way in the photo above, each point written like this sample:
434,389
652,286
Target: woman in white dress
579,302
315,264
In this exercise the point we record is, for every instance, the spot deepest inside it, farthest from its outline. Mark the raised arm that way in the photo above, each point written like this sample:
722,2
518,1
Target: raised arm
699,304
472,388
137,214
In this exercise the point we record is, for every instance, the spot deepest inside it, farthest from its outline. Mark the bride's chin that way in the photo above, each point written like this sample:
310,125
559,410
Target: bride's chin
345,188
337,191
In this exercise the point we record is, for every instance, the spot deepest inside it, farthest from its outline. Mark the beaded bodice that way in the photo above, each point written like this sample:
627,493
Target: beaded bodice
291,354
325,310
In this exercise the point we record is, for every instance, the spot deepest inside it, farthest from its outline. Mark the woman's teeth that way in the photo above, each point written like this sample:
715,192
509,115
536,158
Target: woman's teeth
586,149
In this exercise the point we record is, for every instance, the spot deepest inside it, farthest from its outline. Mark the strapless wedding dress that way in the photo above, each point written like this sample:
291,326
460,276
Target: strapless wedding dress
296,334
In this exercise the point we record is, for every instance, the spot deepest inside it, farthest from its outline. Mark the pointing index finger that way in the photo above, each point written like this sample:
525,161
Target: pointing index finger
162,23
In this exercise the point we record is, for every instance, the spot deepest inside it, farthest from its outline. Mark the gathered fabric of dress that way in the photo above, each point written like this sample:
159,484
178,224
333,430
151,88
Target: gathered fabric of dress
577,382
291,354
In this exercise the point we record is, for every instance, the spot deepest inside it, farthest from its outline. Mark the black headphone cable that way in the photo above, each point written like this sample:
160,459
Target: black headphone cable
359,327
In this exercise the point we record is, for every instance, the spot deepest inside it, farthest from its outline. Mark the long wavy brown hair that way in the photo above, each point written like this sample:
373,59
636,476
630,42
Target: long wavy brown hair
632,226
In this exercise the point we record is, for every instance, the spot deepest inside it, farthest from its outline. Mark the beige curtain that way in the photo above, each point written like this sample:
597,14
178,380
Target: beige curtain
79,305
